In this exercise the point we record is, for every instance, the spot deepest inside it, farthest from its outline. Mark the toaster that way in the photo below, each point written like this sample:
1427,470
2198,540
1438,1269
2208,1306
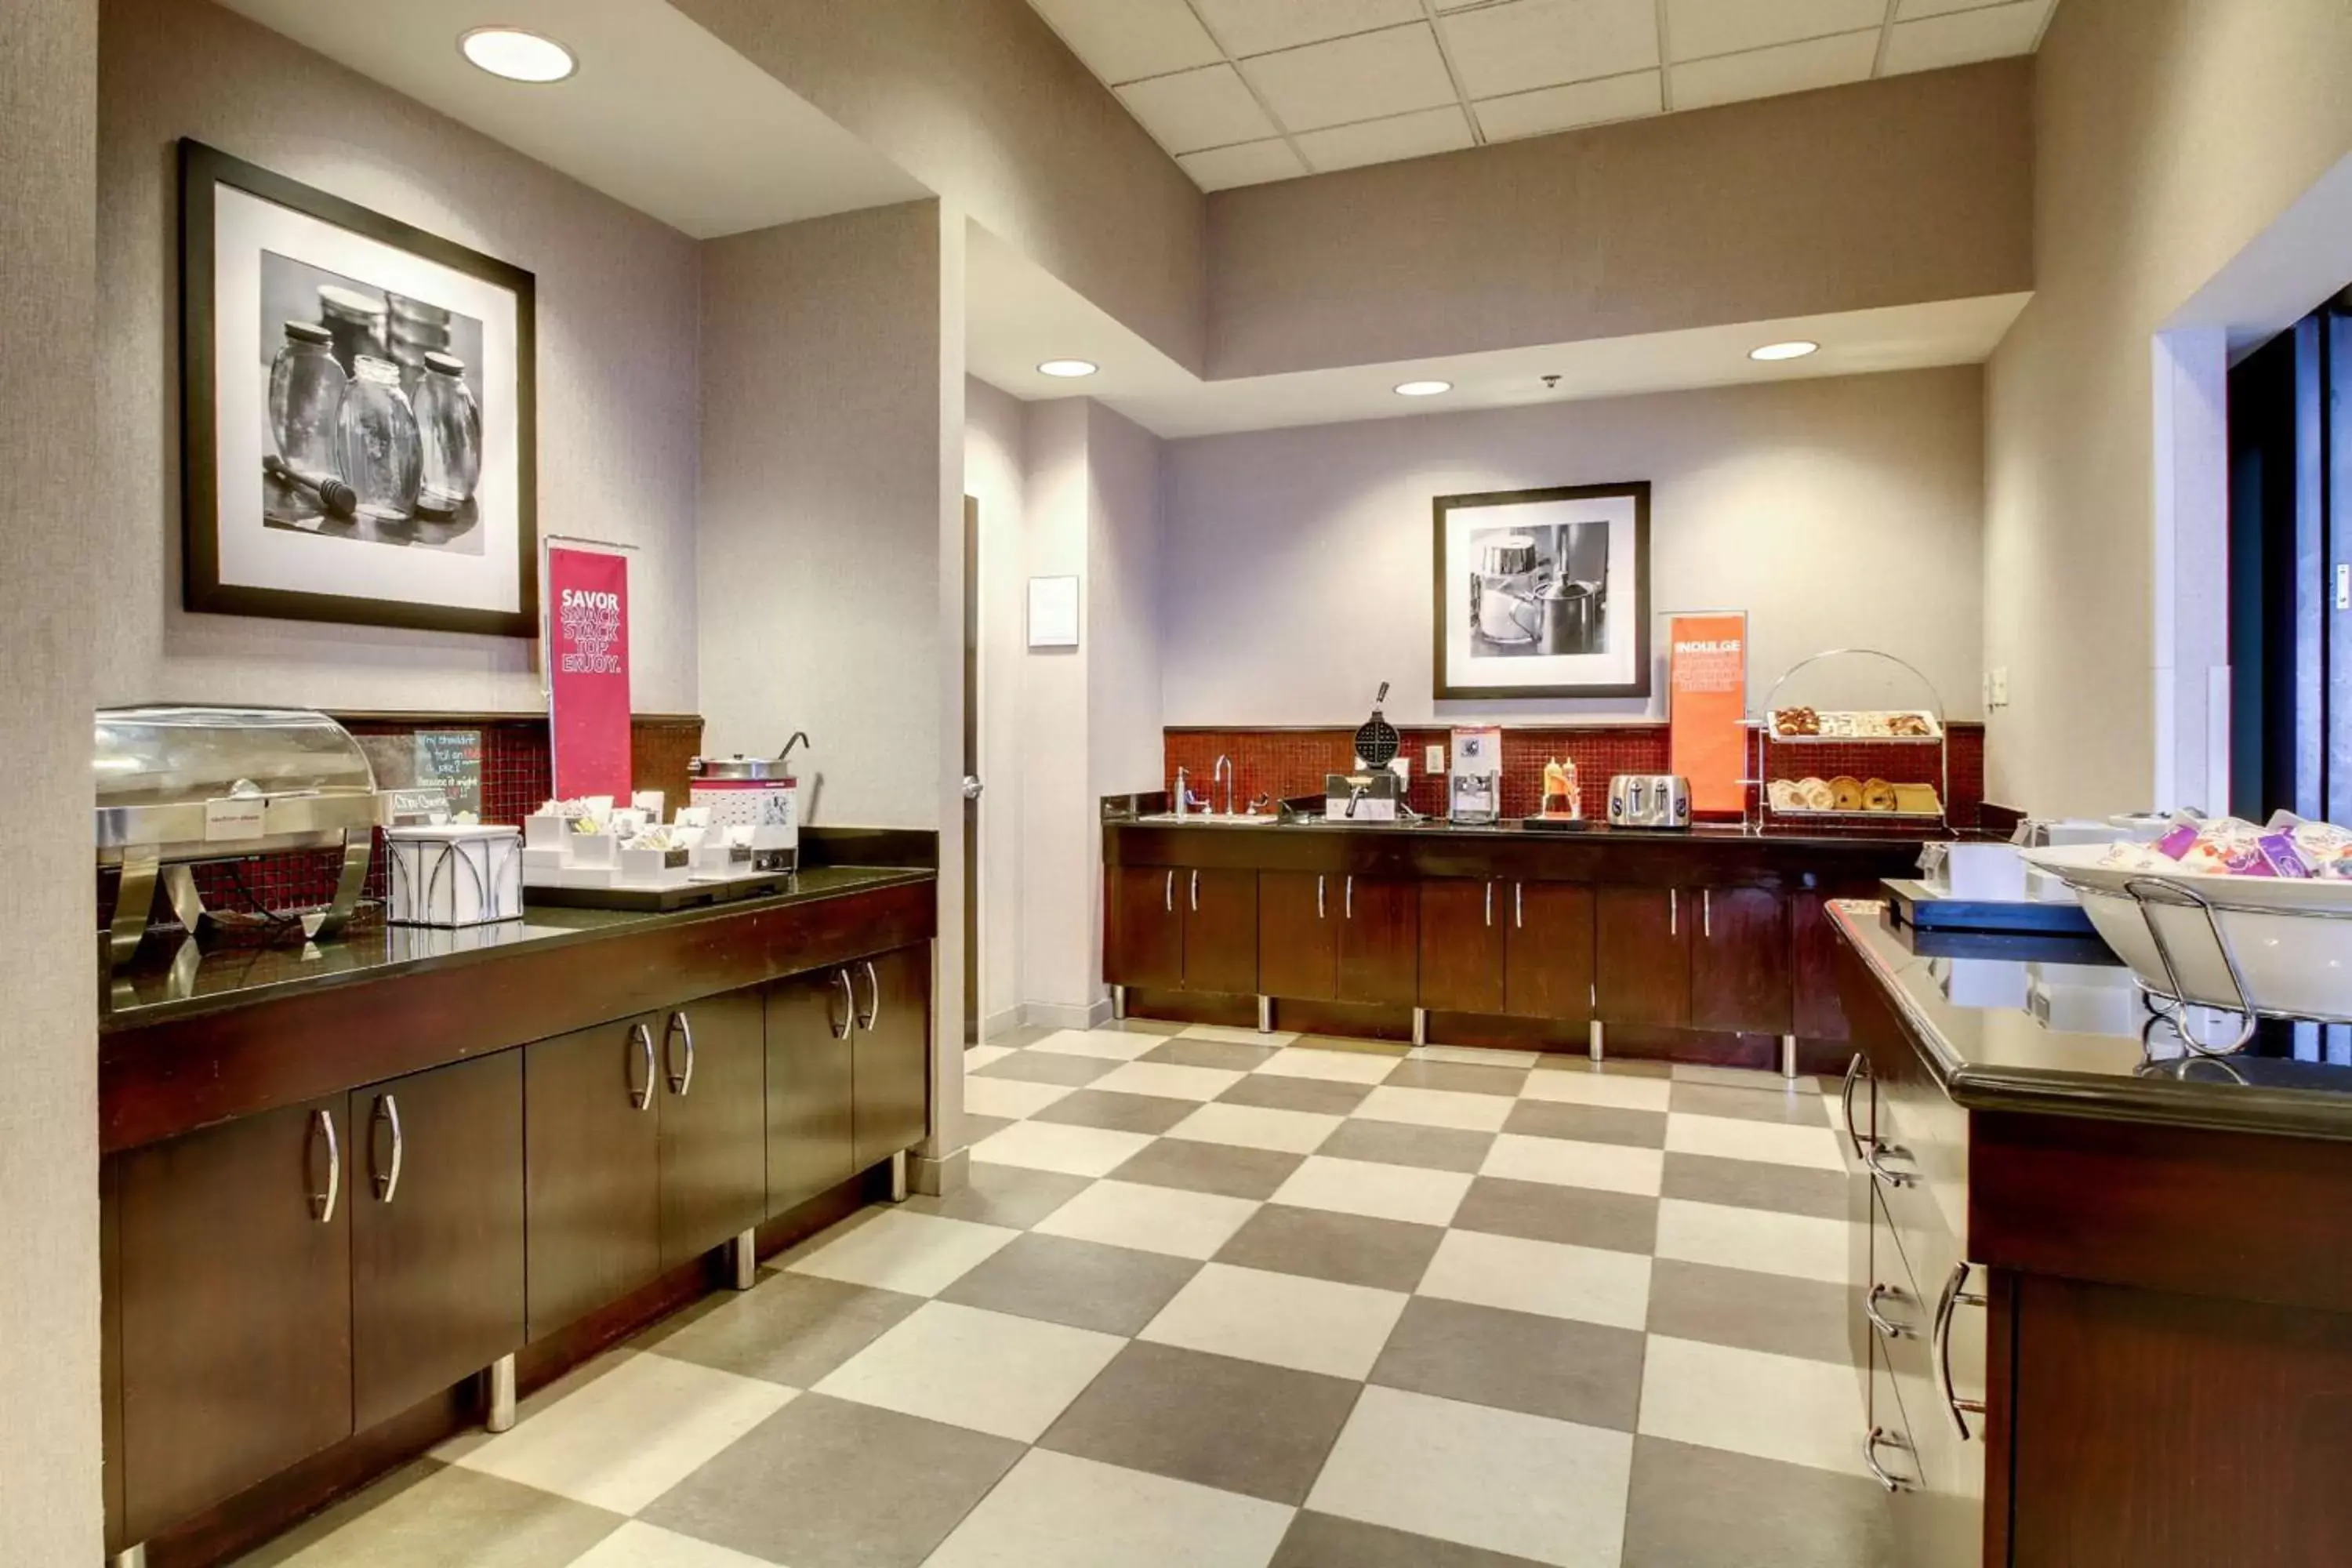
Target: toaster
1649,800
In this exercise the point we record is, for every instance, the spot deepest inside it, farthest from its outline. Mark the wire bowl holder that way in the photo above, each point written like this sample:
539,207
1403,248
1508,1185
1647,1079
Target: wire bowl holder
2176,1002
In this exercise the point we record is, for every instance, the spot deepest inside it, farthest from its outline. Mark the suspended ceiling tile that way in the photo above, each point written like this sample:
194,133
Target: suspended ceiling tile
1551,109
1121,40
1761,73
1912,10
1198,108
1413,135
1698,28
1989,33
1528,44
1250,164
1260,27
1366,76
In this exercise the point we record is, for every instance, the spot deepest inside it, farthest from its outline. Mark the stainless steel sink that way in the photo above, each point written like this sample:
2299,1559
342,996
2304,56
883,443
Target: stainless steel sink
1209,819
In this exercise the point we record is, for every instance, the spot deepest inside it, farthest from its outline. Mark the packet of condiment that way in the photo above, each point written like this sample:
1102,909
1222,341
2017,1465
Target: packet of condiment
2282,857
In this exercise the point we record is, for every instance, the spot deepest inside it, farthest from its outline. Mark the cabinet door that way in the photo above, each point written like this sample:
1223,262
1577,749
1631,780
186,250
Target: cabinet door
593,1172
1380,940
1298,935
1740,961
1817,1010
891,1076
436,1231
1642,956
1147,933
1464,930
1548,962
235,1304
809,1088
714,1123
1220,931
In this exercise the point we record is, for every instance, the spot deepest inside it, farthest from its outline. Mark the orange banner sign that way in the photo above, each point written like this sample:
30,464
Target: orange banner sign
1707,702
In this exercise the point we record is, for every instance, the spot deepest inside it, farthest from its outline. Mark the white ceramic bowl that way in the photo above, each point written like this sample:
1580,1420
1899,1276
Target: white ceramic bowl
2292,937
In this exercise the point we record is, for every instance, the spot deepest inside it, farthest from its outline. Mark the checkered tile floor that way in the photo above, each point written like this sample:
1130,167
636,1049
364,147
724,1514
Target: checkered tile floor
1226,1301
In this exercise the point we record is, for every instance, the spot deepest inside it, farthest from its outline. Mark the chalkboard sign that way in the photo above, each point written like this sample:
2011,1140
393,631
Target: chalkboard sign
451,760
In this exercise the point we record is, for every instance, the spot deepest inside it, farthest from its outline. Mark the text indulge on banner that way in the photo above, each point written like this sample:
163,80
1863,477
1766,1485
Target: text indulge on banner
1706,707
588,671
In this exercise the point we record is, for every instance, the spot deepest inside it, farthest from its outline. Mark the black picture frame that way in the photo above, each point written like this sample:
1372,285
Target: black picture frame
1442,600
203,170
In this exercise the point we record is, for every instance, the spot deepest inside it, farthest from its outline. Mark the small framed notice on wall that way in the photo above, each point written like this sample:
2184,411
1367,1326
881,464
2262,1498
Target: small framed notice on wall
1053,612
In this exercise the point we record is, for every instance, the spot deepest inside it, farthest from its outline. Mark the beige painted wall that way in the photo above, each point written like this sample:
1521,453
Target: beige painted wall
983,103
2171,132
1885,192
1123,728
616,376
1837,512
50,1509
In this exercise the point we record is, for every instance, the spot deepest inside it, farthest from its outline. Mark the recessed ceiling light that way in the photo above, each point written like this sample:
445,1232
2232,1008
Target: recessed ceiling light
1797,349
518,55
1422,388
1068,367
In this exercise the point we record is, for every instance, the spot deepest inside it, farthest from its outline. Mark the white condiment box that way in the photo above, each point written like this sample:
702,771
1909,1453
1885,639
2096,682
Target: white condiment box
454,876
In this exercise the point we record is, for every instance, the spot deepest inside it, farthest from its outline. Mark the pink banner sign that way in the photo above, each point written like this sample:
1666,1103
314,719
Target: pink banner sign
588,671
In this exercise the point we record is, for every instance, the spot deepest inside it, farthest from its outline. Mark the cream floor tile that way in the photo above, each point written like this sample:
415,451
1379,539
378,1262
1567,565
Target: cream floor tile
1237,1036
1618,1091
1056,1510
1590,1284
1379,1192
1256,1127
637,1544
1151,1218
915,1254
1168,1080
1566,1162
1307,1060
1286,1320
1749,1401
989,1371
1744,1078
1010,1097
1545,1490
1757,1239
633,1434
978,1057
1437,1108
1730,1138
1047,1146
1106,1044
450,1450
1476,1055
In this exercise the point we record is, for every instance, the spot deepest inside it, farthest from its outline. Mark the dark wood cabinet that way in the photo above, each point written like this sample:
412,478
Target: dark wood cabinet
1816,1008
436,1197
593,1130
1463,939
890,1076
1548,951
1145,942
1642,955
233,1307
810,1096
1298,936
1740,961
1221,919
1379,959
714,1123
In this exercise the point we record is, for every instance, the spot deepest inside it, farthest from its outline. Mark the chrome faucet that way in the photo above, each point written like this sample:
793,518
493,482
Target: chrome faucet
1224,774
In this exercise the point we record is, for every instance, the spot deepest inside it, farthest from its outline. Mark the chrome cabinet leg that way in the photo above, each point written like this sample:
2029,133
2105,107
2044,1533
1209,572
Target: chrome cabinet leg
1265,1015
1421,1026
501,1376
129,1557
743,1257
899,1177
1598,1043
1788,1057
1119,1004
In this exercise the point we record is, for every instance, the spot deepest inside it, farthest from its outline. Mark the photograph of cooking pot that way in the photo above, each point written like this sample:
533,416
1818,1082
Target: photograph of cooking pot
1539,591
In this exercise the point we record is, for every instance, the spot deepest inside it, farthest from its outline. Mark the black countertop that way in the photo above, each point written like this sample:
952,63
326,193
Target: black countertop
2025,1034
168,985
1711,833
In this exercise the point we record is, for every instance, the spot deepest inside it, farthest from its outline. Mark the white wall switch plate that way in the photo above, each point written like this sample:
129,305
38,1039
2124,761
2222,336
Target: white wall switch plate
1434,759
2000,687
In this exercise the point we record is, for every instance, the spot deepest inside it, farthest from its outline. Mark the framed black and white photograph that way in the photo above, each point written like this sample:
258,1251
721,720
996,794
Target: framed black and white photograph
357,409
1543,593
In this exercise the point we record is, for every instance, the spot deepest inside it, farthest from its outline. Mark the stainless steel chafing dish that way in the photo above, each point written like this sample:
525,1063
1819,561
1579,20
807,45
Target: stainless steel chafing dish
180,785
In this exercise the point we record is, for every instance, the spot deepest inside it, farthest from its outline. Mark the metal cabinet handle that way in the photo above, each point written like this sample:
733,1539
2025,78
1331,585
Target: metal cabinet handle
1874,1151
680,1026
1195,896
1707,913
1885,1325
1318,895
874,994
642,1098
1893,1483
1519,906
1674,912
1490,903
387,1111
322,1204
1948,1308
1168,893
1855,1071
849,1015
1348,895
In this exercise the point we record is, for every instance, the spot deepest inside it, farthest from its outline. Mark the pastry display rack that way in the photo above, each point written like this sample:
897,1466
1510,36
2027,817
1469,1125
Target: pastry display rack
1861,701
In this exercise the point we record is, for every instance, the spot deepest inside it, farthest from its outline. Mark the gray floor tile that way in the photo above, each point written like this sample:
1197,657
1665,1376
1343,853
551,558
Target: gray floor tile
1800,1107
1701,1508
1277,1093
1224,1168
1557,1367
1459,1077
1020,1034
424,1514
1194,1052
1113,1289
1588,1123
1149,1113
1580,1216
1399,1143
793,1329
1624,1066
1386,1254
1753,1184
1010,1195
1756,1312
1048,1066
1238,1425
825,1483
976,1127
1326,1540
1146,1025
